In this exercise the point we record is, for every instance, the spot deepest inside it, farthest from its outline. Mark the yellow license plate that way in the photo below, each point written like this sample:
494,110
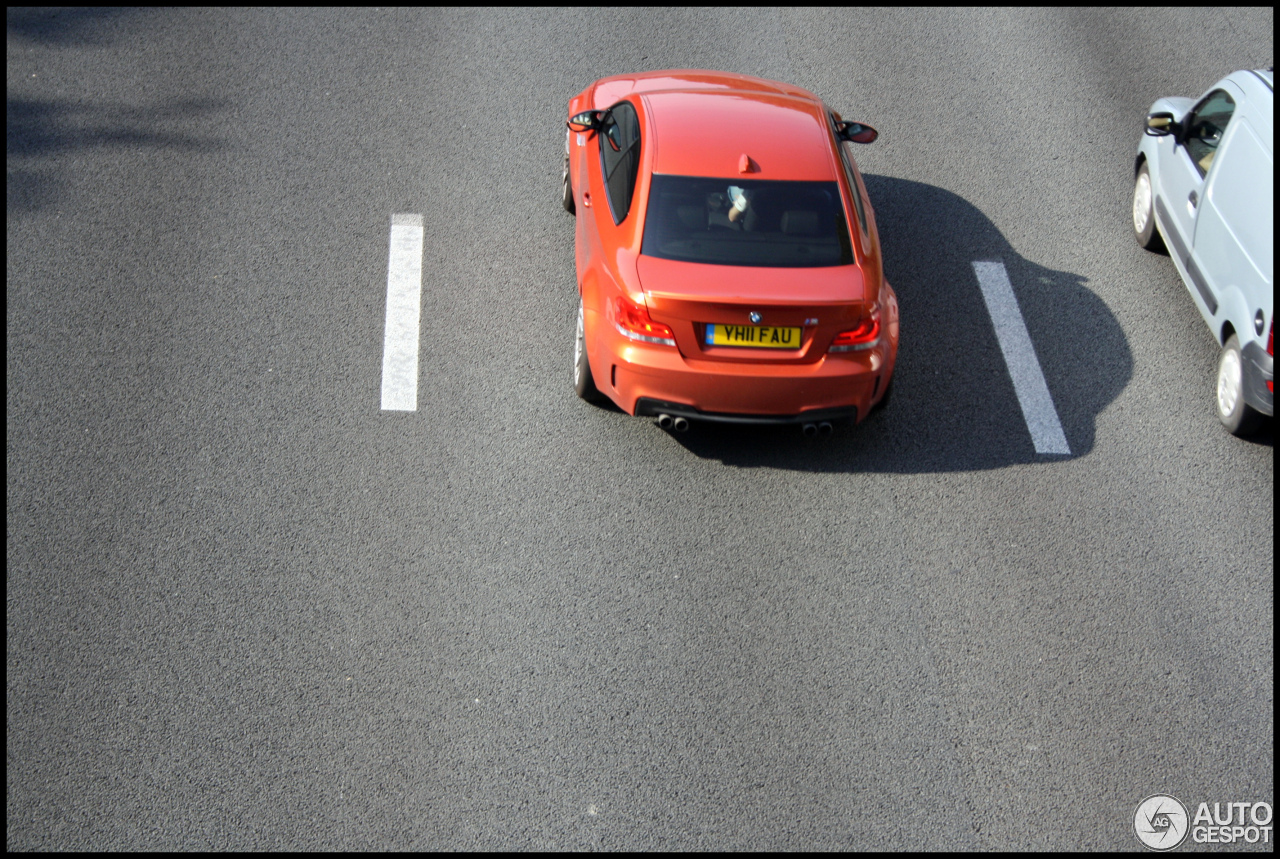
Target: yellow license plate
760,336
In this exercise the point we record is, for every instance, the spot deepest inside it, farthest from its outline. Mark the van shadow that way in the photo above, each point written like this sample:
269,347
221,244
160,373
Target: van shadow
954,406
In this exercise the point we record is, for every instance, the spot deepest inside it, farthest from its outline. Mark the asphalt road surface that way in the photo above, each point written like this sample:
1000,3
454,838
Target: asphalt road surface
249,609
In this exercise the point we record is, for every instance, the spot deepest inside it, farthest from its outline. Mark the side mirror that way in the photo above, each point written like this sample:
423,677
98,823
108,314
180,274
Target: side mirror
856,132
1161,124
588,120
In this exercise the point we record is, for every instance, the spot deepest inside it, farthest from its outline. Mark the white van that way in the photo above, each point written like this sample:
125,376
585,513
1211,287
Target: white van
1203,189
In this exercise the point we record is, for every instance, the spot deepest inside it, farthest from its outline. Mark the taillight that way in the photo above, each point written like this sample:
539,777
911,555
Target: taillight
865,336
1271,350
632,320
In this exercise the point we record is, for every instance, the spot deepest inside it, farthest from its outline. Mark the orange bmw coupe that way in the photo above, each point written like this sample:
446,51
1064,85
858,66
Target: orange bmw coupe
728,262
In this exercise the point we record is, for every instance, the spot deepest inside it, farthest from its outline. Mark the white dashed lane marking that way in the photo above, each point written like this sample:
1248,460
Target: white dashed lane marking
404,310
1020,358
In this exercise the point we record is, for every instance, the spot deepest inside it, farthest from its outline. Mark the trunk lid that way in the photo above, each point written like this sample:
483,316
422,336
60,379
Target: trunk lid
689,297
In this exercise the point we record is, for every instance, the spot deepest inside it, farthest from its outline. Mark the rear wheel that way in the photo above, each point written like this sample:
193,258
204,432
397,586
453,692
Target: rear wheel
1236,415
583,383
1144,219
888,392
567,190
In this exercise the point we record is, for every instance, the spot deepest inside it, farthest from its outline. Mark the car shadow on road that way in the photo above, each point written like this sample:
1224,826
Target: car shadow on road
954,406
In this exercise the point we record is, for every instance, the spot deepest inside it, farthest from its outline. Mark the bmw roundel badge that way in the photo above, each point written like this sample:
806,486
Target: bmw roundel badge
754,317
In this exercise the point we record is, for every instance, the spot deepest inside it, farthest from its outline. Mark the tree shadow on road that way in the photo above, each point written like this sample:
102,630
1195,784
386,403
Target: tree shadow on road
954,406
66,26
40,131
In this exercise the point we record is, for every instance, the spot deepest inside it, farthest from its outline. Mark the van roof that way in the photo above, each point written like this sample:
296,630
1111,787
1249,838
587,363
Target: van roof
1259,90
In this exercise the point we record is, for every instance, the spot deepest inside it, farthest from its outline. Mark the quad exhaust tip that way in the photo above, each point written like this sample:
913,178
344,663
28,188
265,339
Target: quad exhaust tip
823,429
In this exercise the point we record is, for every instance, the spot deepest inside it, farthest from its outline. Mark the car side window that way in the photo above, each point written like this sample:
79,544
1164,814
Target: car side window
1205,126
853,188
620,157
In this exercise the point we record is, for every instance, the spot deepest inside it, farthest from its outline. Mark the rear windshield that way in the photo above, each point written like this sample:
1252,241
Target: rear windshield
746,222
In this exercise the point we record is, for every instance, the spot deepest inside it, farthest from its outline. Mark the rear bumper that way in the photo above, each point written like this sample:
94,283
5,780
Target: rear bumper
1258,370
653,408
645,379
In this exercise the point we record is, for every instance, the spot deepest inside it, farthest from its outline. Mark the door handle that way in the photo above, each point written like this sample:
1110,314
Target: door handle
586,199
1194,199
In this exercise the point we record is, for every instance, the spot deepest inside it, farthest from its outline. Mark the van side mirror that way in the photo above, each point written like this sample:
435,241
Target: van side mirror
588,120
856,132
1161,124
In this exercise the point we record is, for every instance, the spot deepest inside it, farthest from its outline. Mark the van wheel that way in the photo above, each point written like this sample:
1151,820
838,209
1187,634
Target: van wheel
1236,415
1144,218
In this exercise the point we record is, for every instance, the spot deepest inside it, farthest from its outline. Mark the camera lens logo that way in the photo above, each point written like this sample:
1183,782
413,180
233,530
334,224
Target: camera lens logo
1160,822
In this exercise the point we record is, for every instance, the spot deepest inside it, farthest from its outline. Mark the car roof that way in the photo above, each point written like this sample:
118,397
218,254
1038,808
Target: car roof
701,123
609,91
706,133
